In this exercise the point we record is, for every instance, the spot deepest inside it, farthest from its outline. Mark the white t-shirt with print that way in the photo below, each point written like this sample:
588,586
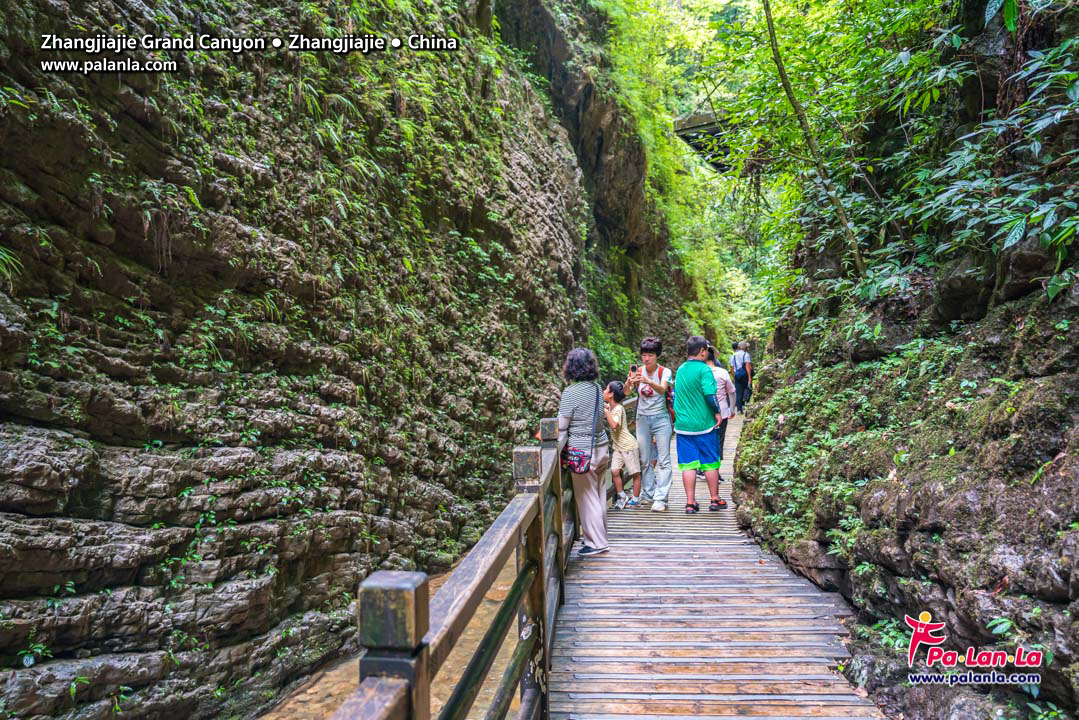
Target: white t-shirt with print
649,400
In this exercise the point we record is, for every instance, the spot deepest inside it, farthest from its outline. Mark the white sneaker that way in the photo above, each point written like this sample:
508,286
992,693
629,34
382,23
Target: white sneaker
621,501
659,506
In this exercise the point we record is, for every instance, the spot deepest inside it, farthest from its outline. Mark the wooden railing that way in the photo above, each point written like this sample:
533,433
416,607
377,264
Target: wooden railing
407,638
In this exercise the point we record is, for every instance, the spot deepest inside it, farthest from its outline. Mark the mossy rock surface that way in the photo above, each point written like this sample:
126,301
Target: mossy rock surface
940,476
277,322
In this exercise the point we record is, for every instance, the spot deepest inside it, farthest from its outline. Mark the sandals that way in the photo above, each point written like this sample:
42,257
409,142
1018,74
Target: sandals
692,508
717,504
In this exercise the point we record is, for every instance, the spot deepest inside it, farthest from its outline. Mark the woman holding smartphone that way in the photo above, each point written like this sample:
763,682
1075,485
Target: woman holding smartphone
653,423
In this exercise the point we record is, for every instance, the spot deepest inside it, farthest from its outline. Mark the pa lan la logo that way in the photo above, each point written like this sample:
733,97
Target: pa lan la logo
924,633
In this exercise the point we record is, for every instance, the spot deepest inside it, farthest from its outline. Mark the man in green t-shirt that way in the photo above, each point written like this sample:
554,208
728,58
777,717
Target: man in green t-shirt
696,417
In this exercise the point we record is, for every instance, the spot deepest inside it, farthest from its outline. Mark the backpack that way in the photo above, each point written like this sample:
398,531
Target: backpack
740,374
670,393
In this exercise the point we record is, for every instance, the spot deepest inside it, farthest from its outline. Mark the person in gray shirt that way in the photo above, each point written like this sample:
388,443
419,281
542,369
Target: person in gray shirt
582,425
742,369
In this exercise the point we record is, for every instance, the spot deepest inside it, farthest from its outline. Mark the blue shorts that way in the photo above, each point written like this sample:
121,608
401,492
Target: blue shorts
698,451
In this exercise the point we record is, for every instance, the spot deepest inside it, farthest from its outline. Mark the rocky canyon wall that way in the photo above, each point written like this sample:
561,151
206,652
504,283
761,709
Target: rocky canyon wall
917,452
636,285
272,321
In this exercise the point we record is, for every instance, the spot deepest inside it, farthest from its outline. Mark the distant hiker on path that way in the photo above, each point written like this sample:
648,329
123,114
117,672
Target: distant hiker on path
697,416
586,451
742,367
725,395
625,461
653,422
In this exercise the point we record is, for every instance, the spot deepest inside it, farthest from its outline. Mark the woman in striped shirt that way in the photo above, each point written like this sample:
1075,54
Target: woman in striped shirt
581,426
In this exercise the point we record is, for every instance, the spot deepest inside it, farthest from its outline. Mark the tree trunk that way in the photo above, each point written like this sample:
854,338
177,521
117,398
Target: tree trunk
811,141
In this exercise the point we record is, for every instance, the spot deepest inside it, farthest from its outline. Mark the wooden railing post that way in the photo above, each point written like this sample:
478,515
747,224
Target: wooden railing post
527,466
549,441
549,432
526,469
402,653
392,613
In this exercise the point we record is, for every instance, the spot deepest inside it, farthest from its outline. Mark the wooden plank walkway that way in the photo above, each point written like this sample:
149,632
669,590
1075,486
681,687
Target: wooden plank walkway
686,618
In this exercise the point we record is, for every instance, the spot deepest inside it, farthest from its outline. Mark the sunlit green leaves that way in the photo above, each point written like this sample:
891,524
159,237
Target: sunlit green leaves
659,51
1011,14
861,69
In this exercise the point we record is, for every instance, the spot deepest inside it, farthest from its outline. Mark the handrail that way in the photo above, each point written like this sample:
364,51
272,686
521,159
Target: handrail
379,698
548,463
464,694
457,600
511,677
407,639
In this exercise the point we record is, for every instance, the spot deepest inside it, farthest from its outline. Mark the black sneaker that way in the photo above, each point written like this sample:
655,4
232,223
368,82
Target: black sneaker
587,551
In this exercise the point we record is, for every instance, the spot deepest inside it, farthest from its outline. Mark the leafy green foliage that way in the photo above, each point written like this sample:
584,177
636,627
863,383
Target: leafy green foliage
888,633
1049,712
882,84
10,266
715,238
1000,625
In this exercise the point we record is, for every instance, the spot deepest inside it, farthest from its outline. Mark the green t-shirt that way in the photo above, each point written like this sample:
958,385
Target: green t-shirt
692,413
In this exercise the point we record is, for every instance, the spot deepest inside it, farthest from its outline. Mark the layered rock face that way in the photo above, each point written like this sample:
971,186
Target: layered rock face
637,286
269,322
918,453
940,478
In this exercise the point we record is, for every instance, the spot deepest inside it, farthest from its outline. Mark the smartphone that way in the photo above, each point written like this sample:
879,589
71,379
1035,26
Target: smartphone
633,368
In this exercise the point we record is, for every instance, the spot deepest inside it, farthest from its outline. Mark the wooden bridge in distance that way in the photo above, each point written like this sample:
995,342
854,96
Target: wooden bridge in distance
685,617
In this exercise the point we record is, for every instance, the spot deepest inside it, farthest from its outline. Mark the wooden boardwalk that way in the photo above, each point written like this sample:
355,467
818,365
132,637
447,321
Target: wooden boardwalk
686,617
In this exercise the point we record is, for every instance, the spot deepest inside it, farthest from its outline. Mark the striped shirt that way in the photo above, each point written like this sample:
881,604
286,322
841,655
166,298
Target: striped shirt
582,403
